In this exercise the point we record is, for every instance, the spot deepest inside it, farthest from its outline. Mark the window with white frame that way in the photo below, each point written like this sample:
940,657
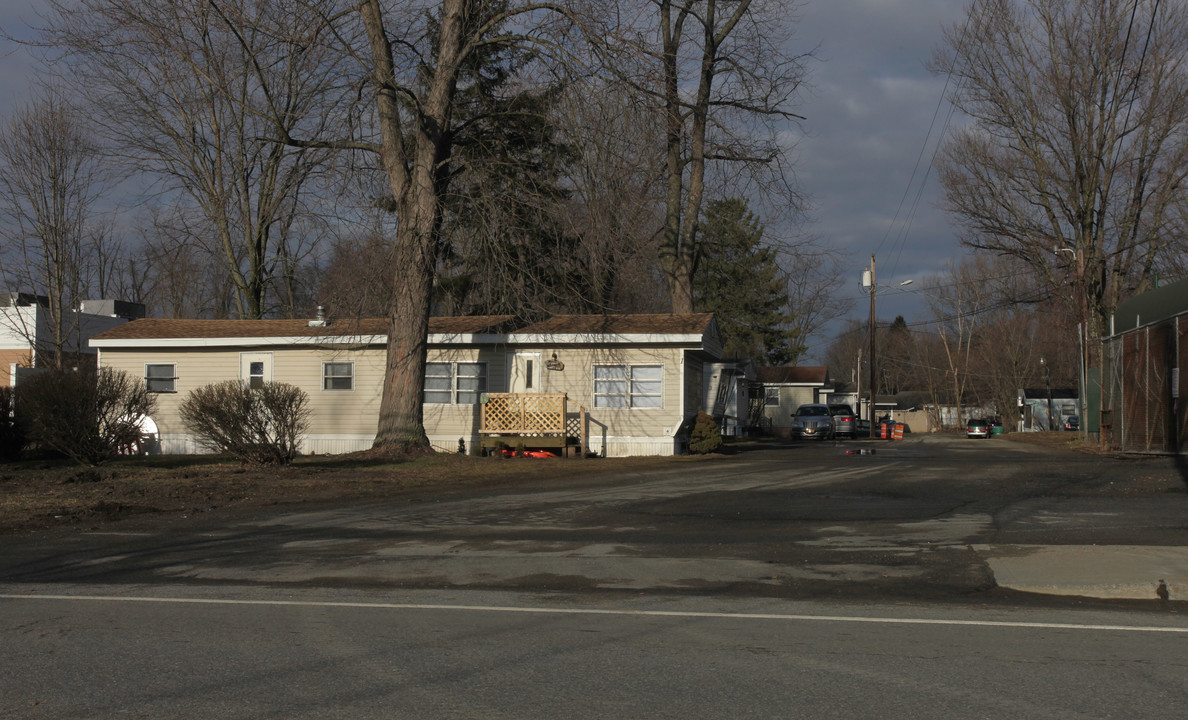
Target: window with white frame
455,383
637,386
161,377
771,397
338,376
256,374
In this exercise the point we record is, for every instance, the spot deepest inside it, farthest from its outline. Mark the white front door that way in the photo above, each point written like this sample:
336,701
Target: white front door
255,368
523,373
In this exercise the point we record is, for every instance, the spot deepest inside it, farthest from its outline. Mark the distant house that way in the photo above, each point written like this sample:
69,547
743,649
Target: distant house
1034,403
26,331
885,405
637,381
787,388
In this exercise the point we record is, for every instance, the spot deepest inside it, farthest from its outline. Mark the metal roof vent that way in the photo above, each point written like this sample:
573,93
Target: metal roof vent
320,320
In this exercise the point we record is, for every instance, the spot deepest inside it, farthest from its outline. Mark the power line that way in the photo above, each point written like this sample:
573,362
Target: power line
905,228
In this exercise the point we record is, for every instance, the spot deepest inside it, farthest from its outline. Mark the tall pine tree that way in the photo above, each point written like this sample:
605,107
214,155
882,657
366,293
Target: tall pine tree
739,278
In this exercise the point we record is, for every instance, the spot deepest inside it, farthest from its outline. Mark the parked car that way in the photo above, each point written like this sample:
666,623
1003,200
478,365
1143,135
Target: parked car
1072,423
844,421
812,422
977,428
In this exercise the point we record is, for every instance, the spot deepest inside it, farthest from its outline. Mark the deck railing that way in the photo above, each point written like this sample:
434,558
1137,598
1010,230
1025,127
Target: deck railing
531,419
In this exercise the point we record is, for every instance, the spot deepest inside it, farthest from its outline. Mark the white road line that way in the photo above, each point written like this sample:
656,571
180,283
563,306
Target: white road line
592,611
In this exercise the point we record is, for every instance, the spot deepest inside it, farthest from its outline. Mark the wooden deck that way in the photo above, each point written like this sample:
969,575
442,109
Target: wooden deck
532,420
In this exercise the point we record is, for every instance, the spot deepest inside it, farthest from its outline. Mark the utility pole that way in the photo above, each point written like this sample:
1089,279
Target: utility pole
873,386
858,376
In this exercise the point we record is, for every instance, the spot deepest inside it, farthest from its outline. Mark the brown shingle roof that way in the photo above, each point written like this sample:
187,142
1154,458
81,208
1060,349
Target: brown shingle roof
818,375
158,328
658,324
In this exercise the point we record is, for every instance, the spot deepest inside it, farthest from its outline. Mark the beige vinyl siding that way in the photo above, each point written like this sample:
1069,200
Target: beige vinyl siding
445,423
193,370
345,420
577,380
351,412
336,412
617,431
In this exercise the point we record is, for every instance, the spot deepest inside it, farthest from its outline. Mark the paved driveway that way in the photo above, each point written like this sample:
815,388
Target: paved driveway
928,518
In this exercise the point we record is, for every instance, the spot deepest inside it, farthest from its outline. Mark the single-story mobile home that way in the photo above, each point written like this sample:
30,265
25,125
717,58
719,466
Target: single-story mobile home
637,381
787,388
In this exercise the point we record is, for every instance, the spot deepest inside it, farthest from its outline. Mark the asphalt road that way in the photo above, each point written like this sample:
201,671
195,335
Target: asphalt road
795,581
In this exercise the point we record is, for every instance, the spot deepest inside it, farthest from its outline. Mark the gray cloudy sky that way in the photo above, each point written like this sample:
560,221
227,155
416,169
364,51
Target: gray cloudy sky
868,118
868,114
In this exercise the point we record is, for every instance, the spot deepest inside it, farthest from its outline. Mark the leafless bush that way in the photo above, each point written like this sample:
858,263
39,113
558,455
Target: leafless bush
85,414
260,426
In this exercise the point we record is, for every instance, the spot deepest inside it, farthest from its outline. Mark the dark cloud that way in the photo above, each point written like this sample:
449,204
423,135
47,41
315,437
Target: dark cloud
867,130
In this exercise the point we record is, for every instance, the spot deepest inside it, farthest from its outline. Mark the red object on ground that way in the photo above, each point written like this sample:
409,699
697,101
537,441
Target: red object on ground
529,453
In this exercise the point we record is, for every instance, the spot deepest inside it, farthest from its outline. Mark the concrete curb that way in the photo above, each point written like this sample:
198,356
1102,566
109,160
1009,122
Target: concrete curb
1135,572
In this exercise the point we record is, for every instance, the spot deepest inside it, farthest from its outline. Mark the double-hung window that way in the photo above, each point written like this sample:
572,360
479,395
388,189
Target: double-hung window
637,386
771,397
455,383
161,378
338,376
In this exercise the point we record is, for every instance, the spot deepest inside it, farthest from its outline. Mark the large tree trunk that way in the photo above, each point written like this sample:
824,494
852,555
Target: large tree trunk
401,420
413,179
677,273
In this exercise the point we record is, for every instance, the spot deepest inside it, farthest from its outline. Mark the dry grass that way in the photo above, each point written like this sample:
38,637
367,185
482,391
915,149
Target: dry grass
1060,439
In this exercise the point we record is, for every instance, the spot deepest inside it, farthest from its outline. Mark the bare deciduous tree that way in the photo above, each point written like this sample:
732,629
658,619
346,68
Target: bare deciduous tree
1079,140
617,194
51,178
173,271
723,82
813,274
182,90
406,63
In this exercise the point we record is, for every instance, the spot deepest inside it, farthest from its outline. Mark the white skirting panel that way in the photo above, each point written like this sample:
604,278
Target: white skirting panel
181,444
184,444
449,443
613,446
326,444
323,444
634,446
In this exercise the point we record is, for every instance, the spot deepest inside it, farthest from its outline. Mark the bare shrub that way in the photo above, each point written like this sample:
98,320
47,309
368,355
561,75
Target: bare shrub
86,414
260,426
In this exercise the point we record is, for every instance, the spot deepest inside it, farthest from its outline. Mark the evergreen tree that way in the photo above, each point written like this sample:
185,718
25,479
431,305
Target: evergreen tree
504,249
705,436
738,278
